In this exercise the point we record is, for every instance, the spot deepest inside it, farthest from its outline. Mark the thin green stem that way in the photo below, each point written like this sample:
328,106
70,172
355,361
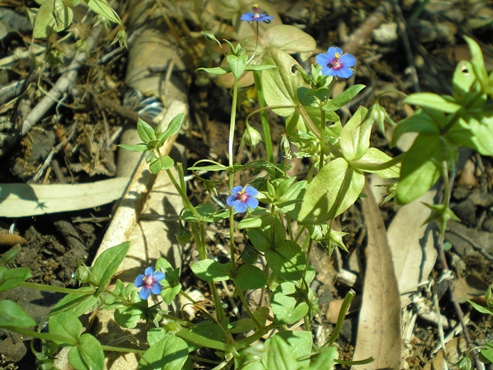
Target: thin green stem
45,336
232,123
323,126
186,202
340,319
263,116
122,350
247,307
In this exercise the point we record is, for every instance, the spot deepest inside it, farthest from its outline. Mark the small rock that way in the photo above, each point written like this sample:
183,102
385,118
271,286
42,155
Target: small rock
386,33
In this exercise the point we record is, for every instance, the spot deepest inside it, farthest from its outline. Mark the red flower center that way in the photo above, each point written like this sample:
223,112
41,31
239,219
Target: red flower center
242,196
336,63
149,281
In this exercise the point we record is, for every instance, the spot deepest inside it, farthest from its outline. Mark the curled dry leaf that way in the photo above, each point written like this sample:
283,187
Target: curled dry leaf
379,327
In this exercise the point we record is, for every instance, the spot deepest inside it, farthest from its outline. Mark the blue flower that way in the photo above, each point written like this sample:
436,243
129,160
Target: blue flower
242,198
149,282
255,16
334,63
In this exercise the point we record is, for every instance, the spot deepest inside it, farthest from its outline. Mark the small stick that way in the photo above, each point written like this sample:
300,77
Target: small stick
66,81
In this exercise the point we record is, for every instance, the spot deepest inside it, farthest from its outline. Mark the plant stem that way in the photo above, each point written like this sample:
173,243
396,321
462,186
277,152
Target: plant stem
321,161
232,123
263,116
340,319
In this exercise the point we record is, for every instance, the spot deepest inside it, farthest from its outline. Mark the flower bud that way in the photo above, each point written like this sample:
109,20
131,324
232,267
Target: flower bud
251,137
183,235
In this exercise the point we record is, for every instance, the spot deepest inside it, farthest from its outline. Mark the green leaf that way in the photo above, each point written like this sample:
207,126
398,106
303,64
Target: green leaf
272,233
286,308
287,260
463,80
13,316
487,352
325,360
138,148
355,135
421,122
173,128
66,324
161,164
210,270
87,355
145,131
102,8
256,222
129,317
237,64
79,302
289,39
170,353
107,263
259,67
9,256
281,86
374,161
300,343
342,99
421,168
170,292
433,101
482,131
216,71
242,326
478,307
478,63
279,355
249,277
53,16
10,278
333,190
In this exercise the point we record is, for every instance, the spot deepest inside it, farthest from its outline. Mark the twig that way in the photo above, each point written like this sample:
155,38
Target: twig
455,302
49,158
407,46
62,85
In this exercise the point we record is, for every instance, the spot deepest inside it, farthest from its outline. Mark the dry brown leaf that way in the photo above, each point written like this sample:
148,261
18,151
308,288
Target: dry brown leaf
412,245
379,327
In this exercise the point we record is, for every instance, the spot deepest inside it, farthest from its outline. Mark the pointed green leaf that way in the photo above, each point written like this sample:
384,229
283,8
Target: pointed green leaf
250,277
355,135
210,270
102,8
478,63
434,101
145,131
173,128
170,353
343,98
79,302
12,315
237,64
281,85
107,263
333,190
420,169
161,164
286,308
87,355
10,278
66,324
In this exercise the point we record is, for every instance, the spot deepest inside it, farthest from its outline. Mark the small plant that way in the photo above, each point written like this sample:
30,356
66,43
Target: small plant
280,217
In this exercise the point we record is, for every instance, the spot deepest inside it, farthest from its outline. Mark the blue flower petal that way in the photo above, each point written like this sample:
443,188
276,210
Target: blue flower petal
149,271
236,190
333,50
348,60
158,276
248,17
231,200
240,207
252,203
139,281
251,191
145,293
344,72
328,71
323,60
156,288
